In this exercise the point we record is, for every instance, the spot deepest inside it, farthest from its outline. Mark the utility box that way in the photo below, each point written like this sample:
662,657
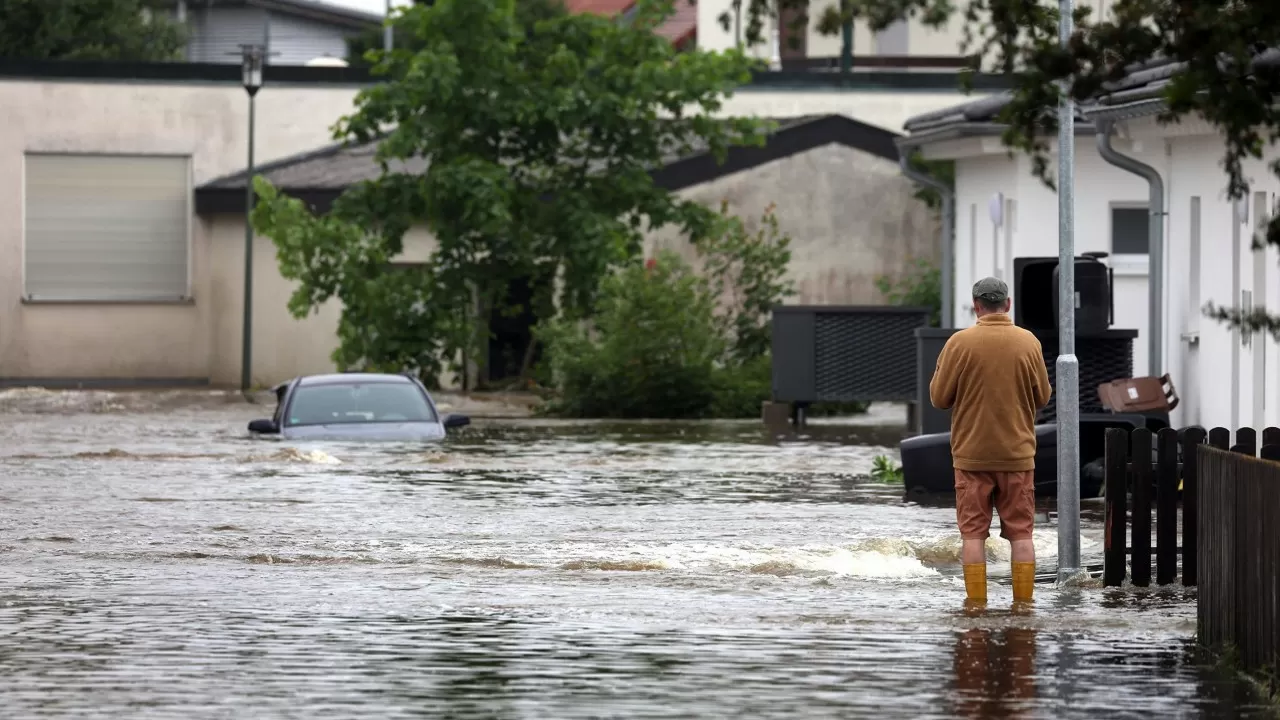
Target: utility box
825,353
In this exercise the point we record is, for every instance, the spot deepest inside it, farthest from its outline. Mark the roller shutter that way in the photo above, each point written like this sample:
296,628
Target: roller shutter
107,227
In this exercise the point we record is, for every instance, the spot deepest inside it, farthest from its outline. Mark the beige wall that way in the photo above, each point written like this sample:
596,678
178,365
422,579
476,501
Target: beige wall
208,122
283,346
840,242
851,217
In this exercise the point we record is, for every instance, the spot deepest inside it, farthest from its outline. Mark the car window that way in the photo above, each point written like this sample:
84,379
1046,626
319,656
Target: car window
358,403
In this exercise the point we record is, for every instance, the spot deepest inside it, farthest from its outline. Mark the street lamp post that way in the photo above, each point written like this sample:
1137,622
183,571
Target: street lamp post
1068,366
252,60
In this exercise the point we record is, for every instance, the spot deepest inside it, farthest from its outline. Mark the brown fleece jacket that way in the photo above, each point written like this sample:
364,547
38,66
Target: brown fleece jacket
993,378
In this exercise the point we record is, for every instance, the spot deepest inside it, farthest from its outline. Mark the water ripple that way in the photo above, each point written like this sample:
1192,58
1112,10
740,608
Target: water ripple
159,564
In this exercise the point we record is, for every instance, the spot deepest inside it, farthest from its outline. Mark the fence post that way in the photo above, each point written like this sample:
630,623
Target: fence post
1271,436
1166,506
1220,438
1116,492
1192,438
1140,457
1246,442
1270,449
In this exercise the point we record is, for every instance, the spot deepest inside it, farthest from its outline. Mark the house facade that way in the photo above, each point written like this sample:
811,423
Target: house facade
1223,377
111,275
294,32
903,44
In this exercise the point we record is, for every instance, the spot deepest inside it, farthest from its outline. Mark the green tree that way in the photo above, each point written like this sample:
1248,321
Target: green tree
528,13
89,30
526,151
1224,70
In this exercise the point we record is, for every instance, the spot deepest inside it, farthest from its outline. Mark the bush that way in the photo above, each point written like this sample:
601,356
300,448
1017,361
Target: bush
668,342
921,286
651,351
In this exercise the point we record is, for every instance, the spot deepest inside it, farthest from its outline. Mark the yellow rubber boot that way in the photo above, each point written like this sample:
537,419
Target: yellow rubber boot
975,581
1024,581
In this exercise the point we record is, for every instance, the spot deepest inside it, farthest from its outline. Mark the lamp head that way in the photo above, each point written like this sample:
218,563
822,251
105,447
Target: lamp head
251,59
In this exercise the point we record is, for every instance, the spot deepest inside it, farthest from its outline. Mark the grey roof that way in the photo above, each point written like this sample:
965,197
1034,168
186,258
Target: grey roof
984,110
1142,82
1146,81
337,166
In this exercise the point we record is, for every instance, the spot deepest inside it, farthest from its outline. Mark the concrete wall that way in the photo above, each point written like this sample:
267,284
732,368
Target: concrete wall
851,217
208,123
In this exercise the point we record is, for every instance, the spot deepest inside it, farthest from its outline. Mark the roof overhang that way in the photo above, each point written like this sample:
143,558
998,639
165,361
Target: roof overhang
227,195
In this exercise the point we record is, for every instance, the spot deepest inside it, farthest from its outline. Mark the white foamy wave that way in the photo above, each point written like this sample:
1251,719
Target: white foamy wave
813,561
294,455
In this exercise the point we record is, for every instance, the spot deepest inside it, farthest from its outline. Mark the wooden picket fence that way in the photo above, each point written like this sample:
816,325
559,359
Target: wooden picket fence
1132,475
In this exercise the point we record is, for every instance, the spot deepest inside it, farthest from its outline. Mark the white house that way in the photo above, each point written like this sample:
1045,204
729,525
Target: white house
1221,375
293,31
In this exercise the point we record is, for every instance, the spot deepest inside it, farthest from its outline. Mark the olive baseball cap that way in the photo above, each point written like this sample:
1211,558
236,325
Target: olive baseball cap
992,290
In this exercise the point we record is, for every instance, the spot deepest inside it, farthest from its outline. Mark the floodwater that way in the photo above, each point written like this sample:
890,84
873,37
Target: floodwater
157,563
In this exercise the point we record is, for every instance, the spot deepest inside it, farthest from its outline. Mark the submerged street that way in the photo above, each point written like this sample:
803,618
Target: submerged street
155,562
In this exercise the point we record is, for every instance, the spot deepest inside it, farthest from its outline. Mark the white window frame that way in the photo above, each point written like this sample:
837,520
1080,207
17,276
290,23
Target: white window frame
188,296
1132,264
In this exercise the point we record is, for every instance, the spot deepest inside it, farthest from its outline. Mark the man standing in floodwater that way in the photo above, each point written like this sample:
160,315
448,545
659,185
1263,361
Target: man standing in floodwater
993,378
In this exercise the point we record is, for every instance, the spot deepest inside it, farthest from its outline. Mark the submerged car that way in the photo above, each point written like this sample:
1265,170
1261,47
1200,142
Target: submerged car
356,406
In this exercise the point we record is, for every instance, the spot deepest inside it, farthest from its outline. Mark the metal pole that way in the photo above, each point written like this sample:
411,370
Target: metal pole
386,30
246,342
1068,369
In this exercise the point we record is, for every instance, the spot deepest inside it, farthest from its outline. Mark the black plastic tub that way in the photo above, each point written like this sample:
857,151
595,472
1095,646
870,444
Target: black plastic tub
926,459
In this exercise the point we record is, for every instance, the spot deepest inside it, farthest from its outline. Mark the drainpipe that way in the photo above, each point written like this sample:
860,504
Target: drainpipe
1155,281
948,221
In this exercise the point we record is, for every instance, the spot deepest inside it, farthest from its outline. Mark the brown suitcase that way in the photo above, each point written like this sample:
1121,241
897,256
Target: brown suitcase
1142,394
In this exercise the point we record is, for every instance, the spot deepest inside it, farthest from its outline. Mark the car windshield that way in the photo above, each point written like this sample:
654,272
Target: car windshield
356,402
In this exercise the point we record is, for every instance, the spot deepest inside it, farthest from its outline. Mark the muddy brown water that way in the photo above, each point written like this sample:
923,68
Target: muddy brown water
157,563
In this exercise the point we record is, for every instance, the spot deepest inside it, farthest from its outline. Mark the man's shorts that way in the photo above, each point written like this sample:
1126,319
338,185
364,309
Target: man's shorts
1012,493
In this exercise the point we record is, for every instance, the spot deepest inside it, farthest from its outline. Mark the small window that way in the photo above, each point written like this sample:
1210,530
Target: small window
1129,231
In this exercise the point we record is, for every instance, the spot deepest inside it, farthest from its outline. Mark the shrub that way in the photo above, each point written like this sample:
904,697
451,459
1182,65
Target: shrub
651,349
920,286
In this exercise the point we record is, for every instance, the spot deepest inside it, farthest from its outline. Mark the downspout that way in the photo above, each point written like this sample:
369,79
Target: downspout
948,222
1155,202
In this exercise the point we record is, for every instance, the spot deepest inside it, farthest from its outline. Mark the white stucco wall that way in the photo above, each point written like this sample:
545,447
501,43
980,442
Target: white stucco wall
1189,161
1033,228
1207,368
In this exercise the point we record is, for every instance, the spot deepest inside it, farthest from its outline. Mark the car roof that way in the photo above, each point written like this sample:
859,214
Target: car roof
342,378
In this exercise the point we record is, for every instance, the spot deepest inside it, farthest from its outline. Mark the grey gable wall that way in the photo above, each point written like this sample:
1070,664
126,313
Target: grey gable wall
851,217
